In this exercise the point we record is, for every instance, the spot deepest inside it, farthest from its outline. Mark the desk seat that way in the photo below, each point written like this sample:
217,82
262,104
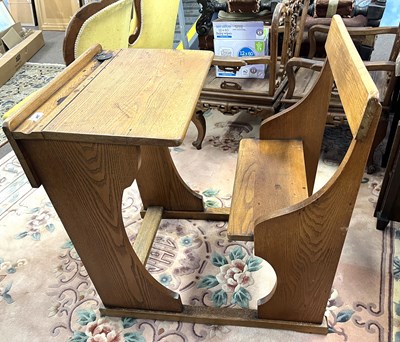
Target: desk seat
270,175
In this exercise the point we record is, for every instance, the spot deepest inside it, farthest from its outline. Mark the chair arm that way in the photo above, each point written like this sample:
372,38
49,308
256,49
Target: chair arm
298,62
380,66
353,31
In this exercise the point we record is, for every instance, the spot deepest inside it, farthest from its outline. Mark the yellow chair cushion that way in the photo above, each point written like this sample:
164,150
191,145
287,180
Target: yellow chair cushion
158,24
108,27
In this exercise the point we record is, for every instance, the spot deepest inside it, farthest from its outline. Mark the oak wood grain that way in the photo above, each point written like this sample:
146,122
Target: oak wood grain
38,99
160,184
354,83
305,121
43,94
270,175
147,232
303,242
219,316
211,214
85,183
147,102
32,129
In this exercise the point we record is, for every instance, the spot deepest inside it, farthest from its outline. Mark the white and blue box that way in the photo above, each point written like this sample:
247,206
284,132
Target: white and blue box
239,30
242,48
241,39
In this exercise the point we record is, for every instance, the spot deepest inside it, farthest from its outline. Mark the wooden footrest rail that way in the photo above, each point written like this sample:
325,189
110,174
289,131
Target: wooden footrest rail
219,316
147,233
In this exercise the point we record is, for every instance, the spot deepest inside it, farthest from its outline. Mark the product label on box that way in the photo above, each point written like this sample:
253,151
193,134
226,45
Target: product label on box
248,71
242,48
242,30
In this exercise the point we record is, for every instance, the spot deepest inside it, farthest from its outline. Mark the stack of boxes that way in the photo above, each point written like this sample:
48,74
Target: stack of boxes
241,39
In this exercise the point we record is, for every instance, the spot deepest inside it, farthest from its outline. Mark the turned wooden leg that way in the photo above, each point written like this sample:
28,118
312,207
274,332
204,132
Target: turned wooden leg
200,123
85,183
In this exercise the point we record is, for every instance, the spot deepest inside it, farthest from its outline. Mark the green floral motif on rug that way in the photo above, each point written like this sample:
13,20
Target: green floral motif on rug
28,79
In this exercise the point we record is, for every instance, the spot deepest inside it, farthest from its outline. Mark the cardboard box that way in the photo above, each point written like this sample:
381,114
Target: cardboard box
14,58
17,45
242,48
2,48
11,38
239,30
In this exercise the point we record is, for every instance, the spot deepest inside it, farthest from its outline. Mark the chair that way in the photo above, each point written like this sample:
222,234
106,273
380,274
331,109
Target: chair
111,24
301,233
303,72
357,13
257,96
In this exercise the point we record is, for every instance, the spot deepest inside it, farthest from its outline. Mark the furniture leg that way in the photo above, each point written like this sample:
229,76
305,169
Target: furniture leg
161,185
85,183
200,123
393,126
381,224
379,136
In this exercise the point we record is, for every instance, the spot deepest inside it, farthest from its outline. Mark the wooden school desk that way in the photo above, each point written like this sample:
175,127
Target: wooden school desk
97,127
105,121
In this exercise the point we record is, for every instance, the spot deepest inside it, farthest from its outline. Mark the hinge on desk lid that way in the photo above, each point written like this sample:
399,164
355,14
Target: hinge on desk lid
103,56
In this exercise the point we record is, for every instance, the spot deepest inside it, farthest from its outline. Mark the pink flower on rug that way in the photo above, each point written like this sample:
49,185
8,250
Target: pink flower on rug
234,275
103,331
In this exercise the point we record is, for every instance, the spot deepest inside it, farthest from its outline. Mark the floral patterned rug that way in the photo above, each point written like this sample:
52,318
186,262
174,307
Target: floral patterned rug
46,294
29,78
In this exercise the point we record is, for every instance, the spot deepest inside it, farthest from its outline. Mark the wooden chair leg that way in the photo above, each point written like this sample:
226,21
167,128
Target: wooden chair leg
200,123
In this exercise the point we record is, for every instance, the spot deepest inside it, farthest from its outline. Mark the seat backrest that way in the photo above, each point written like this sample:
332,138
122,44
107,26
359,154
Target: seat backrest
105,22
355,85
306,120
121,24
286,18
153,24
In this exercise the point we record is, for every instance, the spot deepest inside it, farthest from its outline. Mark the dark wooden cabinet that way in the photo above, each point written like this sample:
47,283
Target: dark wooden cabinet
388,206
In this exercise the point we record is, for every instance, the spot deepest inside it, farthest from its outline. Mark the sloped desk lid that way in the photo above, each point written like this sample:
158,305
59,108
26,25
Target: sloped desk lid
140,96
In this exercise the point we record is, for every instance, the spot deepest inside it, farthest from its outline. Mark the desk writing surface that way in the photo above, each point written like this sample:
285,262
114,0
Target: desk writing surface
141,96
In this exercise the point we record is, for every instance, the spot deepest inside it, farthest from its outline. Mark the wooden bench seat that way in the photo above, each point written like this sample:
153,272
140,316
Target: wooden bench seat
300,232
275,166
